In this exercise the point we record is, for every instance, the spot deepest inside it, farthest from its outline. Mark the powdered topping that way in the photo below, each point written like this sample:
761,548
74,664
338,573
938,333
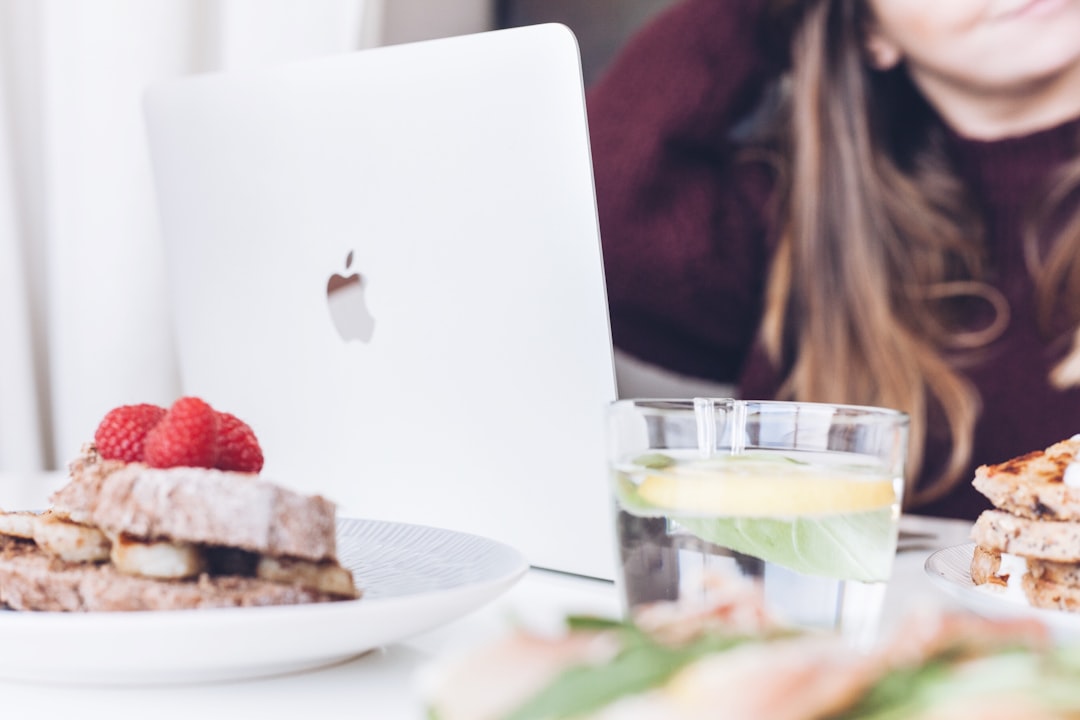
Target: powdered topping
198,505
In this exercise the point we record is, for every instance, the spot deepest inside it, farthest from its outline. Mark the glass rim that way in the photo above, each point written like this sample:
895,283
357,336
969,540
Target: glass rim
688,403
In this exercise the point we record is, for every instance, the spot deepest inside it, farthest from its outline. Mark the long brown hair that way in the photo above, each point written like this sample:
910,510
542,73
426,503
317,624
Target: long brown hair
888,248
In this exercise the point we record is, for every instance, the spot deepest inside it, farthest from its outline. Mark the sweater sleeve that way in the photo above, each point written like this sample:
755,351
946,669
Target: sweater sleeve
682,223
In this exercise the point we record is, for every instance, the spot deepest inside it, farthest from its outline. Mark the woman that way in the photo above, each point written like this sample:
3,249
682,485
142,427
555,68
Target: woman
883,210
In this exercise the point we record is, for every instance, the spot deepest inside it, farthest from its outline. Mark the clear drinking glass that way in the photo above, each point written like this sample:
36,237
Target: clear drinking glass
802,499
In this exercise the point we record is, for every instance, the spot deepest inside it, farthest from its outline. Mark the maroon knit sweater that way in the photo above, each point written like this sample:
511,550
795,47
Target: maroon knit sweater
688,234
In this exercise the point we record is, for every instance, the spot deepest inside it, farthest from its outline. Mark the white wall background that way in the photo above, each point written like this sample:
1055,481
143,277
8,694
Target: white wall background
83,316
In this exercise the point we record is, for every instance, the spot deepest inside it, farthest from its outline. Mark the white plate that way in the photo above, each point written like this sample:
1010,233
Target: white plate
950,569
414,578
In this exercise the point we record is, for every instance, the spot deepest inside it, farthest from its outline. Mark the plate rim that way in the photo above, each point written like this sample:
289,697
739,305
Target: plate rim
990,604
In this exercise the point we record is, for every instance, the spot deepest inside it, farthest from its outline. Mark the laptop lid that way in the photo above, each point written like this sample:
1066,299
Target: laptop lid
388,263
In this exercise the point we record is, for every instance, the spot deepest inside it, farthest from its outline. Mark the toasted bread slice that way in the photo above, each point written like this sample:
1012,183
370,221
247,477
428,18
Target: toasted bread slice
1033,485
1066,574
30,579
1045,593
1003,532
197,505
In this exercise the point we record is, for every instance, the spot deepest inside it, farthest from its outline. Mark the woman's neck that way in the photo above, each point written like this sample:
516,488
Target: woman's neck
991,115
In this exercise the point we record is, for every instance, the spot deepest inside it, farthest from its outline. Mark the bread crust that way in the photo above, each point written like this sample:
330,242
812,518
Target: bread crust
1004,532
32,580
1033,485
195,505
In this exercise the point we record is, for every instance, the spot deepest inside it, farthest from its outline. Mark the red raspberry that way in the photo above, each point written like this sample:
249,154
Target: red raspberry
238,448
185,437
122,432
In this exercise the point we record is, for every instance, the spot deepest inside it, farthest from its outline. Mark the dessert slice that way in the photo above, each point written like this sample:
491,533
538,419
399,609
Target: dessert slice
1033,485
161,520
1031,540
197,505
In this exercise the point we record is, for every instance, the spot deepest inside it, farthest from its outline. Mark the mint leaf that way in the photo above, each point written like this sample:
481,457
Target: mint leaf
899,694
643,665
654,461
850,546
591,622
1049,682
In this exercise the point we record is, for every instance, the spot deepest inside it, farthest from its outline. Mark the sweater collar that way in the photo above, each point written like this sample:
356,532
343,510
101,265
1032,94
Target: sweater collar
1010,171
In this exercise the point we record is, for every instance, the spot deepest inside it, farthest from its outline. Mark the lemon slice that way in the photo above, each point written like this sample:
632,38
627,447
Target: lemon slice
762,494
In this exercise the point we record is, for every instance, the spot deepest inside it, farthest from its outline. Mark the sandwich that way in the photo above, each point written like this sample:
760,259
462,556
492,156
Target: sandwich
1030,542
166,510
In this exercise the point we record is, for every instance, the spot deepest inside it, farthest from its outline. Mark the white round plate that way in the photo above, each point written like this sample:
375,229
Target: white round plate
413,579
950,569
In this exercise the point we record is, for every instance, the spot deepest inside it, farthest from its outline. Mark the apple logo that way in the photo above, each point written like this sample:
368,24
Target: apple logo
348,306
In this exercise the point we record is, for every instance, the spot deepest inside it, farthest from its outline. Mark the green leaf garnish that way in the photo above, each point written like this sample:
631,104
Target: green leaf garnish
1047,681
899,694
591,622
849,546
642,665
654,461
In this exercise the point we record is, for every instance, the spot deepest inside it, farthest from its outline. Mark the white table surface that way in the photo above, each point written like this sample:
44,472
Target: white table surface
383,683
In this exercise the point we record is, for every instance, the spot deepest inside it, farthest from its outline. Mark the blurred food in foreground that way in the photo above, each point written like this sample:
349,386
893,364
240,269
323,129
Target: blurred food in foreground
732,661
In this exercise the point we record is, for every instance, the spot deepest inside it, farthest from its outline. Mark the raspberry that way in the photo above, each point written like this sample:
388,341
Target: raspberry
186,436
122,432
238,448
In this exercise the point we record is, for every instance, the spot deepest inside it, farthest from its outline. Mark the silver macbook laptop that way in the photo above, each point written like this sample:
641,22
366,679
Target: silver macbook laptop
388,262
